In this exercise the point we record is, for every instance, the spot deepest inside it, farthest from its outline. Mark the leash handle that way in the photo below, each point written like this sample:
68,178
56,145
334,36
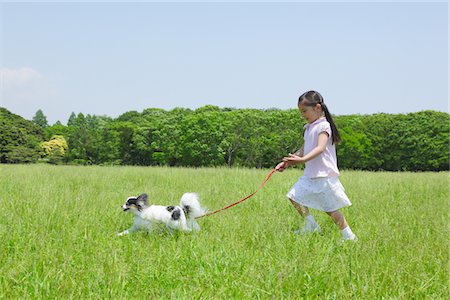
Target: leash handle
243,199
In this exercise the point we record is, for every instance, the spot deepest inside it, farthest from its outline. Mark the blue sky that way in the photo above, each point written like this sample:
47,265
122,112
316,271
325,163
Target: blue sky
107,58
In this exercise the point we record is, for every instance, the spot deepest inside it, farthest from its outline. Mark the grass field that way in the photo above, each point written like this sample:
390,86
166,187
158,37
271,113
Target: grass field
59,225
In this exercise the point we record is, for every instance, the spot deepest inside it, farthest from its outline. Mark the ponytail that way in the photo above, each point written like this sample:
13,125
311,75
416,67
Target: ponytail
336,136
312,98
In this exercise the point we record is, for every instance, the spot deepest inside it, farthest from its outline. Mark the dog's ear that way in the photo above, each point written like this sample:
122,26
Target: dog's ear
142,197
141,201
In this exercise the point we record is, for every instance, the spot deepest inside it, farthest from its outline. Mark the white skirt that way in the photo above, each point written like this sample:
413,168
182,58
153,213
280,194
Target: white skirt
325,193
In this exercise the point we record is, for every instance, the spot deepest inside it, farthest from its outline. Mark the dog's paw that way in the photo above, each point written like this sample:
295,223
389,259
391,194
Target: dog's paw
123,233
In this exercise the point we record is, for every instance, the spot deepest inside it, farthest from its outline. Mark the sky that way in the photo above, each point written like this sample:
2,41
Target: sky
110,57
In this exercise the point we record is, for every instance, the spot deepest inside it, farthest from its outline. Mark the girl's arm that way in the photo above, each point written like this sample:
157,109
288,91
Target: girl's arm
294,159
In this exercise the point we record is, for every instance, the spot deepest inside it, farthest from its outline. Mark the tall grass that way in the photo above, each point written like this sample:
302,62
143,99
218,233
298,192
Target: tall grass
59,225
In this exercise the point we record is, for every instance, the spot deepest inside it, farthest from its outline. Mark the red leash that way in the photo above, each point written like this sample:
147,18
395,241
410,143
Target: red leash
243,199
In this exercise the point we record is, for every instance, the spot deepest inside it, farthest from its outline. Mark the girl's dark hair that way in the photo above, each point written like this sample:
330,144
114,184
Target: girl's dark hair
312,98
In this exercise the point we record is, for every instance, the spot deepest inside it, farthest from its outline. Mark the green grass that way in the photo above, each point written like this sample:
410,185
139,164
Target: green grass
58,227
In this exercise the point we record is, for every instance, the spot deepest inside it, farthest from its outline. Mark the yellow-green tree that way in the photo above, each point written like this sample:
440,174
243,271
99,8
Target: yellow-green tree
55,149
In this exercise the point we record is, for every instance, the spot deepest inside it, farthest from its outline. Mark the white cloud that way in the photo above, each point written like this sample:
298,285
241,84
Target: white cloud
25,90
22,78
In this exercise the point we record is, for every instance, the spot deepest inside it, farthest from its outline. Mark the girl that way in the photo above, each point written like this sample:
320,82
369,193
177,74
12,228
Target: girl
319,187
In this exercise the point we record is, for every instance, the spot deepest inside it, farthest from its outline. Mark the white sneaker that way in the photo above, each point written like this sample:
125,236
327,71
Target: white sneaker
309,228
350,237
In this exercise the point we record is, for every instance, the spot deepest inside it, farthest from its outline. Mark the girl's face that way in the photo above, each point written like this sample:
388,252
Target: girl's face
310,113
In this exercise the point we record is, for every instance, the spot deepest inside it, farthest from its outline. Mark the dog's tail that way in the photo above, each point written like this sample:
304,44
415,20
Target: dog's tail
191,205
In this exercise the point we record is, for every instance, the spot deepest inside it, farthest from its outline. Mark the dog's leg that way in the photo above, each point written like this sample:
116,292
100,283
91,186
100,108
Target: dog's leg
170,228
149,227
193,224
183,223
133,228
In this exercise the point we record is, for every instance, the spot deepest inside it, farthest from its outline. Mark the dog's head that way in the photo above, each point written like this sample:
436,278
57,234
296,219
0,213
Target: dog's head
136,204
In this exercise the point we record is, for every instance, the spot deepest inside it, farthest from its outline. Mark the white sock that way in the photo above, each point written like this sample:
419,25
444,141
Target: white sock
347,232
310,219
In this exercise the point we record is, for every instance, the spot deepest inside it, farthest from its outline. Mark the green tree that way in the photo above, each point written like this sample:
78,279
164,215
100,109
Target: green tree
124,133
40,119
166,135
78,139
19,139
72,119
355,151
56,129
200,143
213,136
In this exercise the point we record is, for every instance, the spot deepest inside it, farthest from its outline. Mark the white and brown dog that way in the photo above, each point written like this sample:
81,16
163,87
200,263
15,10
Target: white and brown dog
180,217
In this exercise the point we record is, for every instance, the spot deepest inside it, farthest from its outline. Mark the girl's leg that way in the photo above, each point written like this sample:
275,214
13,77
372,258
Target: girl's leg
311,224
302,210
339,219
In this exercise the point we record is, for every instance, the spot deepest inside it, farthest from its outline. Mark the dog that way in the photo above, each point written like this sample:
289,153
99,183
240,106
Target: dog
180,217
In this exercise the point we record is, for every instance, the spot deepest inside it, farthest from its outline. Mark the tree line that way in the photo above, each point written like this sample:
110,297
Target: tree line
212,136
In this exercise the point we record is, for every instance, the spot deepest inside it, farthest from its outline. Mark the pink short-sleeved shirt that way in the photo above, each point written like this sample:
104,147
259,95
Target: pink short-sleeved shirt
324,165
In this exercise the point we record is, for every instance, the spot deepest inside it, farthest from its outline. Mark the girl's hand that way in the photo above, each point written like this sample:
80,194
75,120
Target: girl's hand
281,166
293,159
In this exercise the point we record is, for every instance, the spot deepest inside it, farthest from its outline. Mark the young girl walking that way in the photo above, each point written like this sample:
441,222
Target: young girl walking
319,188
